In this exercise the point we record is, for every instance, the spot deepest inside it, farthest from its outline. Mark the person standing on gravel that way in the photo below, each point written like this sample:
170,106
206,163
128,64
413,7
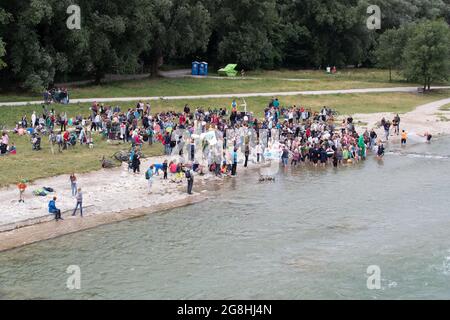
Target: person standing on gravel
149,177
73,184
79,203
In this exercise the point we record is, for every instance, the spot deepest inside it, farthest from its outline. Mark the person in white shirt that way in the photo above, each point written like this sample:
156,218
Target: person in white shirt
259,151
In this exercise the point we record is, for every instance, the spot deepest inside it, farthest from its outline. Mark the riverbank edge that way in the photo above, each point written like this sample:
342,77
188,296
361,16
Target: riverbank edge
50,229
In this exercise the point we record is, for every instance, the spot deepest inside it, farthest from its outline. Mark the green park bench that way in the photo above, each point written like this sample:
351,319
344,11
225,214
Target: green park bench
228,71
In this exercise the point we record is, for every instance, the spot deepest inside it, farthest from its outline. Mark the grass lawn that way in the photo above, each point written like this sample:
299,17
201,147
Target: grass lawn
446,107
32,165
363,74
344,103
269,81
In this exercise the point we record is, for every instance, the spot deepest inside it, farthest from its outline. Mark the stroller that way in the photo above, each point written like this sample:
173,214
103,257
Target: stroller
35,142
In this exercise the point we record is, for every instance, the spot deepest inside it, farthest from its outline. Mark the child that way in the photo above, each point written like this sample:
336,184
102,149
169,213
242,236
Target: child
224,169
164,169
380,152
12,149
22,186
404,137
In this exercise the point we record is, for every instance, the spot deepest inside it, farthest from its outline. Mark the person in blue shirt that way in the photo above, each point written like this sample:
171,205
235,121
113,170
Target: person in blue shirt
53,210
234,105
158,167
276,103
234,157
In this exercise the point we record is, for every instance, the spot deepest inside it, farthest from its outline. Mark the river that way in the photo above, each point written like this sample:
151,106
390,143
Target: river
311,234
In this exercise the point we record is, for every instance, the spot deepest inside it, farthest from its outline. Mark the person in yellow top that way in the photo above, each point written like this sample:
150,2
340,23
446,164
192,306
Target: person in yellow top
404,136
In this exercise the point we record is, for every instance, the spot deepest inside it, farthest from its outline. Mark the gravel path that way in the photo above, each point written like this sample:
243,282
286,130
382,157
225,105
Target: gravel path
230,95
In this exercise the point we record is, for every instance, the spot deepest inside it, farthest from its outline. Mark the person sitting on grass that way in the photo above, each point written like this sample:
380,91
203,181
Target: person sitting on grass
12,149
4,143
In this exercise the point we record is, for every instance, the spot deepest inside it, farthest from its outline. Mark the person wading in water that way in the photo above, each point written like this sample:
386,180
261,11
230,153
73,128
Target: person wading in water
190,180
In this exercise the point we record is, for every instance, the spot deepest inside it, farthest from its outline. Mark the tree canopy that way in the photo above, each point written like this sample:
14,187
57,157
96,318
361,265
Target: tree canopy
3,18
129,36
427,51
420,51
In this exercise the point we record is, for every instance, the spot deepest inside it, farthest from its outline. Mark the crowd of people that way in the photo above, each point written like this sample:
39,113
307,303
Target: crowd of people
215,140
305,135
291,133
61,130
56,95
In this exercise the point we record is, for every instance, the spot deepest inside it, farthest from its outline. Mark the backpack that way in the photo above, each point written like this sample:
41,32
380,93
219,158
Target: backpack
147,174
40,192
188,174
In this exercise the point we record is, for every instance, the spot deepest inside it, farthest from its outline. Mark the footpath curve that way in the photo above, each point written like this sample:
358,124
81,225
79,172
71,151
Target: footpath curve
230,95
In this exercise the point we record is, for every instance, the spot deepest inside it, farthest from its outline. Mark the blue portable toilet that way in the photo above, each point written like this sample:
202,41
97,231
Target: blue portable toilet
195,65
205,67
201,69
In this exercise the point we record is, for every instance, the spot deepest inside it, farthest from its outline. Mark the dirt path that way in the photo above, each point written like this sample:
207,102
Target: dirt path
427,117
232,95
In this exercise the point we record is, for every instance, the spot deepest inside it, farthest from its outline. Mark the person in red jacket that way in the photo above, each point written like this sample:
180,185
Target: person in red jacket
182,119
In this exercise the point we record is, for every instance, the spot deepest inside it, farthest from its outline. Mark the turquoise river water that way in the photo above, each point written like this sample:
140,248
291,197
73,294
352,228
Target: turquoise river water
311,234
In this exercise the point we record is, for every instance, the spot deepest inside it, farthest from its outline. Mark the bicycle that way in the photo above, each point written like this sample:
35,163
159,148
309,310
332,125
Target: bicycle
124,156
334,113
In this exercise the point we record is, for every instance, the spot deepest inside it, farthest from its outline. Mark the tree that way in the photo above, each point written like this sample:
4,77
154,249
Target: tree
246,32
395,13
3,18
325,32
29,59
390,48
427,53
177,28
125,36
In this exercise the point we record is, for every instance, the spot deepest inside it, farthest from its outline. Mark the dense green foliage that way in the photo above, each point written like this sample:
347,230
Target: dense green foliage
129,36
420,51
427,52
3,18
